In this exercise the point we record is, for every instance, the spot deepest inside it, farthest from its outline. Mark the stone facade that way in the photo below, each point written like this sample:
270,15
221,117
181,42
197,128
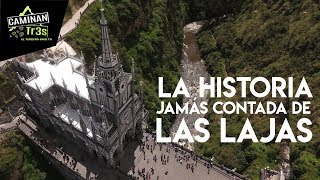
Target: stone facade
98,111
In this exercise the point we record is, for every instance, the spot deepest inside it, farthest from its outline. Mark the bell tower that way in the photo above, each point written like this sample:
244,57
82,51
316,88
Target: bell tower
108,71
108,63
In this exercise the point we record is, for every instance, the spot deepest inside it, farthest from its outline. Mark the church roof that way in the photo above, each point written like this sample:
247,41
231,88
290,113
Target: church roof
72,116
49,74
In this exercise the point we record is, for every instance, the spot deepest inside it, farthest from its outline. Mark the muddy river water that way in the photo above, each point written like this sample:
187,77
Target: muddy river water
192,67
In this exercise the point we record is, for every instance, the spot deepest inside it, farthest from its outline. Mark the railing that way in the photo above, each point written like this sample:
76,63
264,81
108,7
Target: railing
42,149
206,161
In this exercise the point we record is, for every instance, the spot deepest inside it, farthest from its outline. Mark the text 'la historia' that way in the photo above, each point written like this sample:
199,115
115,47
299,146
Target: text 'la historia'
276,87
218,88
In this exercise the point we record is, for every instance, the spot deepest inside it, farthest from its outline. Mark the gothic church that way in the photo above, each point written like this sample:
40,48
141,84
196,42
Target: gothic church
97,111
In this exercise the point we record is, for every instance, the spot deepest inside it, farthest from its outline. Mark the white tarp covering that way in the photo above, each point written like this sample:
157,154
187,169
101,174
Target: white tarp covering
72,116
62,71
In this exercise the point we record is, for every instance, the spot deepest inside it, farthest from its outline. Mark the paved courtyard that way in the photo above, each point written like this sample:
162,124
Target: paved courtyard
175,163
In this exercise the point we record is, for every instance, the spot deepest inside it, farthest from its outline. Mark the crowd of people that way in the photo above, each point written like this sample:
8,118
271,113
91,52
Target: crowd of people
45,144
160,154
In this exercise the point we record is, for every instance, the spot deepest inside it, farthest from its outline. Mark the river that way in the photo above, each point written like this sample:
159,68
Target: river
192,67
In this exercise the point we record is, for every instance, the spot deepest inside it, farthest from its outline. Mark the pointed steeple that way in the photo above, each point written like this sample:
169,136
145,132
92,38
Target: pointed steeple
37,87
72,66
94,73
132,72
141,91
107,59
76,89
104,133
35,71
82,123
64,84
21,78
81,57
93,128
63,95
55,58
52,78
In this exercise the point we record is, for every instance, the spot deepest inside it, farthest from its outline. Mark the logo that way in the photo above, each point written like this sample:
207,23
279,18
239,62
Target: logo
29,26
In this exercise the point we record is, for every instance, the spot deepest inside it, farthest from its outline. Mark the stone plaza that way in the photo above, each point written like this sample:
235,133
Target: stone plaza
143,158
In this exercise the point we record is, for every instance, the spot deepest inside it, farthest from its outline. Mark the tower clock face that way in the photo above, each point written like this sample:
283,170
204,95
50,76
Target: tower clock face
100,89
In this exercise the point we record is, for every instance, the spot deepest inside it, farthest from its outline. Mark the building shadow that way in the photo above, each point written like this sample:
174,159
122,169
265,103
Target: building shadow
128,159
93,164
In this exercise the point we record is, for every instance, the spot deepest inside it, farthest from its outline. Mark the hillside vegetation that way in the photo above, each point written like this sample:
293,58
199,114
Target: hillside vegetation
19,160
264,38
8,90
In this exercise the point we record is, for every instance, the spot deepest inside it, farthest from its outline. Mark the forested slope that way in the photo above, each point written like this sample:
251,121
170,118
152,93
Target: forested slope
19,160
263,38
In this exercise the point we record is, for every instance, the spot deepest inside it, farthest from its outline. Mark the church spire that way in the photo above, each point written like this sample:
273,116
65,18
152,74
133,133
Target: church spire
82,123
107,59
